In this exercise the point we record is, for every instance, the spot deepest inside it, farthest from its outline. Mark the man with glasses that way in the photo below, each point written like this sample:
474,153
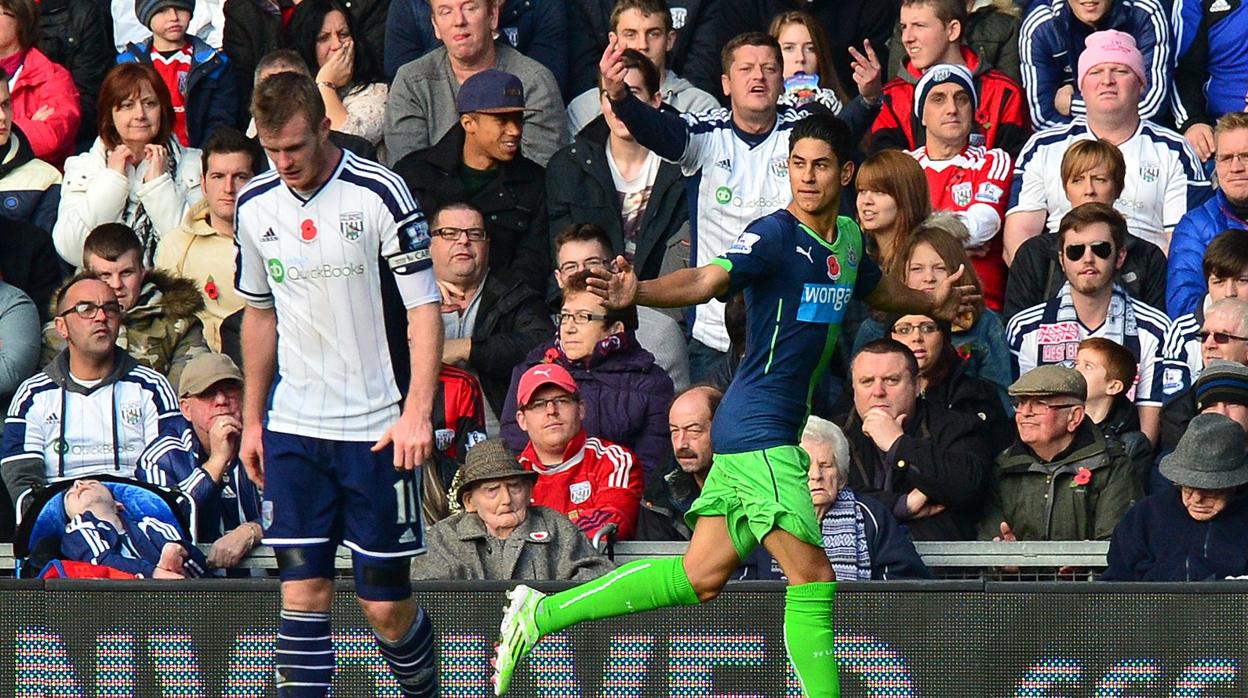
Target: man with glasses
1060,480
595,482
160,324
1223,337
94,410
479,161
1092,238
490,319
1226,210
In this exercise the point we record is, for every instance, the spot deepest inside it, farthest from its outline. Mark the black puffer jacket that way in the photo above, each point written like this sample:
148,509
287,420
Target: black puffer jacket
79,36
513,204
512,321
252,29
579,189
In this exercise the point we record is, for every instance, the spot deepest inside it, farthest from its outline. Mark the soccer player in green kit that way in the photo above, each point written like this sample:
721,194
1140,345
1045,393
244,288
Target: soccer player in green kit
799,268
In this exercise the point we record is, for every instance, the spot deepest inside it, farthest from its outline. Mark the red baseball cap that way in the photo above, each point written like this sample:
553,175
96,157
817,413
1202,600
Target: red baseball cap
543,374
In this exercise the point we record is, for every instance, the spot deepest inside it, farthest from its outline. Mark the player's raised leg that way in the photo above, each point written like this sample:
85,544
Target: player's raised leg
809,638
638,586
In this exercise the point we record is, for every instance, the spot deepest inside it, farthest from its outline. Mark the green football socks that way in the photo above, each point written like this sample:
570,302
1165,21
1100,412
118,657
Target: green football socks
639,586
809,638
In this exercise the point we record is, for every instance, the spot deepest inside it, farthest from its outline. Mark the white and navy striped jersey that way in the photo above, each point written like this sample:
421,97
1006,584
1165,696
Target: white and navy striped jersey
128,421
1184,359
735,183
316,260
1164,179
1050,333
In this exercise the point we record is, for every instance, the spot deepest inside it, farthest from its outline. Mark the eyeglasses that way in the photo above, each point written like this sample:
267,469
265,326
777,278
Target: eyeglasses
1220,337
453,234
87,310
579,318
923,328
1227,158
1039,406
1101,249
559,402
592,264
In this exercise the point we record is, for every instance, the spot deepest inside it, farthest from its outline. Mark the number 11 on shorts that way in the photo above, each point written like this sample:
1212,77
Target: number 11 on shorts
405,501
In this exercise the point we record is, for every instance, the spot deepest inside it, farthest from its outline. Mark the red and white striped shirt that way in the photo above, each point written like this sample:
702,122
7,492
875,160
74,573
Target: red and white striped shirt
597,483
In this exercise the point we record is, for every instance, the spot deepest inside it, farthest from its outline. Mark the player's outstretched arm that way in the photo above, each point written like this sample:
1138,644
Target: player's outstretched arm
412,434
681,288
259,365
946,302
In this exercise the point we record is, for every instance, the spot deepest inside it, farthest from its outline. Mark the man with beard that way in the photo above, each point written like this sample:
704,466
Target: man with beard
1093,238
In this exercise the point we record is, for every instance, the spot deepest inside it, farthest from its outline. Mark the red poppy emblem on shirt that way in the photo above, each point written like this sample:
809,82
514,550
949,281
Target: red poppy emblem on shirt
834,268
1083,476
211,290
307,230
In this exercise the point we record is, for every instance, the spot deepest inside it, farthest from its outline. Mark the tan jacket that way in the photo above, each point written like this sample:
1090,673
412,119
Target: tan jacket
198,252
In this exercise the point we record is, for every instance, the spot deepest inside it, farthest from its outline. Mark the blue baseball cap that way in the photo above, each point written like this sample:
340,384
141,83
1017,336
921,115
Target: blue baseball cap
491,92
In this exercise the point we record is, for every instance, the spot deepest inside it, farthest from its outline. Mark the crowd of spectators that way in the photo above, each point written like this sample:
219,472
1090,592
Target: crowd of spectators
1085,164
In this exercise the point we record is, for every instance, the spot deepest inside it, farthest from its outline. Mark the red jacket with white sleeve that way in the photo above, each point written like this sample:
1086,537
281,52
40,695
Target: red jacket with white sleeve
597,483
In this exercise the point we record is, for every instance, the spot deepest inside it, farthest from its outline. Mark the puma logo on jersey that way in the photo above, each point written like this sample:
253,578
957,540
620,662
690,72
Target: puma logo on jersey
805,252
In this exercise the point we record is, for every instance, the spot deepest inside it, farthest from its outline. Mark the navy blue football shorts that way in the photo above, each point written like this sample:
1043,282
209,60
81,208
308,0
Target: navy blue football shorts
319,492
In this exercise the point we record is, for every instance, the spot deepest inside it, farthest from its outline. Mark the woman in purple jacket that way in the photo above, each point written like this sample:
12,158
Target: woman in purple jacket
626,394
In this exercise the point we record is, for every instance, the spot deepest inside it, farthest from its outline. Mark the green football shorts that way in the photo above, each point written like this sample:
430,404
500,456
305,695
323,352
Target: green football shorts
758,492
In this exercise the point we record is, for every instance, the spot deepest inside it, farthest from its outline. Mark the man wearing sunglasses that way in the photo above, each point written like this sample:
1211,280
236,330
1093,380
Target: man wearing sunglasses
490,319
94,410
1092,238
1222,337
1060,480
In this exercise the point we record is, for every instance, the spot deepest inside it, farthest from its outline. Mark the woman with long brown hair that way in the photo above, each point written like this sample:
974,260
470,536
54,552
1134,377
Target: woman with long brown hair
892,200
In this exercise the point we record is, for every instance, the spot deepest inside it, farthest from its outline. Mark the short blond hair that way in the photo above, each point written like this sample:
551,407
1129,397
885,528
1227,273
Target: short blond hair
1084,156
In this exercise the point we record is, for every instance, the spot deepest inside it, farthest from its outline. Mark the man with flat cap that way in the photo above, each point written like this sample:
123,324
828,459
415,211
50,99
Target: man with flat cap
1193,531
479,161
1061,479
499,534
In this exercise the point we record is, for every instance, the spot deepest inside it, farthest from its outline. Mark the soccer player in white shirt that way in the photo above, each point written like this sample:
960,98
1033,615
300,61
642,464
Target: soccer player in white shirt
1164,179
338,454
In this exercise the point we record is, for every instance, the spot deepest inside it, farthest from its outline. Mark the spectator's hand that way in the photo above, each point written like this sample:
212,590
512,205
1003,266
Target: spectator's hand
412,436
456,351
617,289
612,70
882,428
230,548
119,157
171,557
1007,535
251,452
337,68
950,300
43,113
977,251
157,161
1200,136
161,573
919,506
1061,101
866,72
223,438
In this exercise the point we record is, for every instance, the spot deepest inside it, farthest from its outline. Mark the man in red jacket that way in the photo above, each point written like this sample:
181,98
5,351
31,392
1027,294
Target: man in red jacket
592,481
931,34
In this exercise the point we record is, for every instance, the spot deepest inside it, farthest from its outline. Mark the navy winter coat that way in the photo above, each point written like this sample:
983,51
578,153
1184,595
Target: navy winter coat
1157,541
626,396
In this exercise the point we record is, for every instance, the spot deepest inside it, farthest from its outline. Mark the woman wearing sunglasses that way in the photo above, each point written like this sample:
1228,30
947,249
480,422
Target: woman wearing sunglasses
944,378
1093,171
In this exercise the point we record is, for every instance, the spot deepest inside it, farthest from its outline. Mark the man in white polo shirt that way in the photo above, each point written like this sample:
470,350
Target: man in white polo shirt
1164,178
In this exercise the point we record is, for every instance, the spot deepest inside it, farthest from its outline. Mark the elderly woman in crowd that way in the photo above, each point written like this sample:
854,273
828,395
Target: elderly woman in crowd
860,536
1195,530
323,33
44,97
136,173
625,393
498,535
